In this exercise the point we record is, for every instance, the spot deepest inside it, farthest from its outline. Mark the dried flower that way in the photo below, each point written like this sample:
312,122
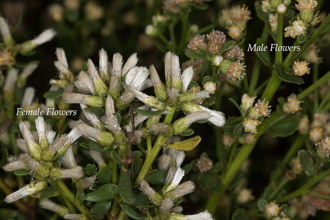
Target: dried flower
263,108
250,125
324,147
197,42
204,164
234,53
303,125
292,105
210,87
215,41
296,166
93,11
247,102
300,68
315,134
297,28
273,20
272,209
311,55
244,195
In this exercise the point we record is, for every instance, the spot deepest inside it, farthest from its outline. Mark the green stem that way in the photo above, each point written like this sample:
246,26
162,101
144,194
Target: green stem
293,55
184,29
274,81
206,29
318,195
65,192
242,155
151,156
114,172
297,144
314,86
304,189
277,189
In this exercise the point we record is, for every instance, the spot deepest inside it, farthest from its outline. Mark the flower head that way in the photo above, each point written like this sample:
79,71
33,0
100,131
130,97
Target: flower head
272,209
300,68
297,28
292,105
204,164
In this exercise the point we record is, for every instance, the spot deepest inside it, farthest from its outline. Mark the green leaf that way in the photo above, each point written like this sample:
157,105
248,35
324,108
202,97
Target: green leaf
147,113
125,186
103,193
186,145
157,177
284,126
104,175
136,166
306,162
140,200
264,56
261,204
115,156
80,195
53,94
289,78
22,172
48,192
231,124
99,210
131,212
227,45
240,214
191,54
187,132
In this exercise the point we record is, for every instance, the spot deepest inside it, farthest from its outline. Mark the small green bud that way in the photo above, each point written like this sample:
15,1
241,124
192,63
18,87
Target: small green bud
306,16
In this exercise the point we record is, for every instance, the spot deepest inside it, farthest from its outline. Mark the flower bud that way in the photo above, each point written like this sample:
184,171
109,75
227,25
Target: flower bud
324,148
33,147
100,87
303,125
190,96
153,196
103,65
33,187
130,63
97,157
77,98
182,190
84,83
42,38
281,8
151,30
159,87
49,205
27,71
148,100
250,125
28,97
115,78
58,173
182,124
174,177
5,32
102,137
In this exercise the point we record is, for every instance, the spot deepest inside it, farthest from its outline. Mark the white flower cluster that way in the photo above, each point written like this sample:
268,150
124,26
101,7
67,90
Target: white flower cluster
172,190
